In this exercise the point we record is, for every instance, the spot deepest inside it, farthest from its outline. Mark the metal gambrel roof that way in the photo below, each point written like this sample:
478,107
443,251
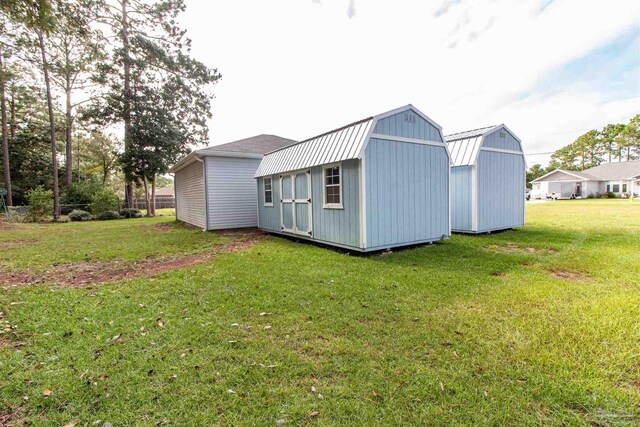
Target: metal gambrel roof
344,143
464,151
469,134
465,146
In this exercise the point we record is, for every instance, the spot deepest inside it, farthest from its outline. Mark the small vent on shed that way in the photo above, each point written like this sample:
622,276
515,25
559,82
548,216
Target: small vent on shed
503,134
410,118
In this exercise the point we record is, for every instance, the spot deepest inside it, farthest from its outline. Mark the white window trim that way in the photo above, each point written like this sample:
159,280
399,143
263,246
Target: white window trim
264,191
326,205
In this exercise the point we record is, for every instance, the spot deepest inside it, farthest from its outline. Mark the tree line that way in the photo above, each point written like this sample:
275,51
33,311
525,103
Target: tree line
107,86
613,143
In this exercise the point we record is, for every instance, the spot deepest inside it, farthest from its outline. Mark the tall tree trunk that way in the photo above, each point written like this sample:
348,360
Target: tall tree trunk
5,135
146,194
12,119
69,146
153,195
628,152
78,158
52,126
127,93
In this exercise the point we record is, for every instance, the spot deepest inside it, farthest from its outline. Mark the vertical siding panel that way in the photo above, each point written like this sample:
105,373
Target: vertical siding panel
232,201
500,190
413,205
337,225
190,196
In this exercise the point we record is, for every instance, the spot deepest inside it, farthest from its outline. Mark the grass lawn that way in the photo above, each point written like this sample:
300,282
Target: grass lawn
535,327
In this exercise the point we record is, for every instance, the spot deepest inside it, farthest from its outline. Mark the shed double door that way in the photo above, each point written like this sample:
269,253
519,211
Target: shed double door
295,203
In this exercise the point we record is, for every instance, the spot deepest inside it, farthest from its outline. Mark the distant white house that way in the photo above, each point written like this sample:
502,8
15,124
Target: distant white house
620,178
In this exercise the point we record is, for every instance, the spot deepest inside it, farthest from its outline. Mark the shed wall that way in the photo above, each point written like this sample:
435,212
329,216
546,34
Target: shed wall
269,216
501,186
408,124
232,192
190,197
337,225
504,142
407,193
462,188
341,226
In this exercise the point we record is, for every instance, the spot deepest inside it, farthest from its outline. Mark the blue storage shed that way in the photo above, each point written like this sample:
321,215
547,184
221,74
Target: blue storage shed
375,184
488,178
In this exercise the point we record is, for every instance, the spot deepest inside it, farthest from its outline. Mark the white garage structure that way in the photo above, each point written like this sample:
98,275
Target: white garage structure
488,175
214,186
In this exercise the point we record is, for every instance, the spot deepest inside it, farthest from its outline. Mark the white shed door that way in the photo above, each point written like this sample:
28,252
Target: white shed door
295,203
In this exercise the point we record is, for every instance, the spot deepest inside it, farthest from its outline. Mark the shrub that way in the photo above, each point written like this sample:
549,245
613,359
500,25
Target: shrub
610,195
108,215
79,194
591,196
80,215
104,200
40,203
130,213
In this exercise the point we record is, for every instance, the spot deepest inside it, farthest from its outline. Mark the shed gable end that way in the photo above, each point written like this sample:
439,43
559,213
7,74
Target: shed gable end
408,124
502,139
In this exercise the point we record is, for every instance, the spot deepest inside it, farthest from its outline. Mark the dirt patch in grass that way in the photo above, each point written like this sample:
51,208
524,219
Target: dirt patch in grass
573,276
510,248
499,274
16,243
8,418
92,273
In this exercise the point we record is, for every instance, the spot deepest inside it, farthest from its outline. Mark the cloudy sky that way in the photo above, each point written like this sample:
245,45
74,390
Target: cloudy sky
550,70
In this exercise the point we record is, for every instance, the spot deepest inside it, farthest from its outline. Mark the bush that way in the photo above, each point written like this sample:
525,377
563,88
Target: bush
104,200
80,215
591,196
40,203
108,215
130,213
79,194
610,195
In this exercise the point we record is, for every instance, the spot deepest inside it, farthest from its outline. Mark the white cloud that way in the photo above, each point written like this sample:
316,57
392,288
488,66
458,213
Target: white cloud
351,10
294,69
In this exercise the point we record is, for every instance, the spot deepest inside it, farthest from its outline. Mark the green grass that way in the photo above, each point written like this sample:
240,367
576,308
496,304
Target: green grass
38,246
475,331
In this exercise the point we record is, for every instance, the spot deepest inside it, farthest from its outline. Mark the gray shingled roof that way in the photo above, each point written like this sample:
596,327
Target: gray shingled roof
254,147
259,144
615,170
605,172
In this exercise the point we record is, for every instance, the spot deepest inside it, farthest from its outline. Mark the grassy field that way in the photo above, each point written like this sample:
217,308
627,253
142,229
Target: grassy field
535,327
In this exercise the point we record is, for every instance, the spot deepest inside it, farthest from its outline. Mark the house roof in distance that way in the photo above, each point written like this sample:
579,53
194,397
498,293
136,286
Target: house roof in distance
253,147
605,172
616,170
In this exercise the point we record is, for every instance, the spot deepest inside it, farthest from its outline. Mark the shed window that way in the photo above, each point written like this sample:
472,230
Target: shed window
268,192
608,188
333,187
616,188
624,188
